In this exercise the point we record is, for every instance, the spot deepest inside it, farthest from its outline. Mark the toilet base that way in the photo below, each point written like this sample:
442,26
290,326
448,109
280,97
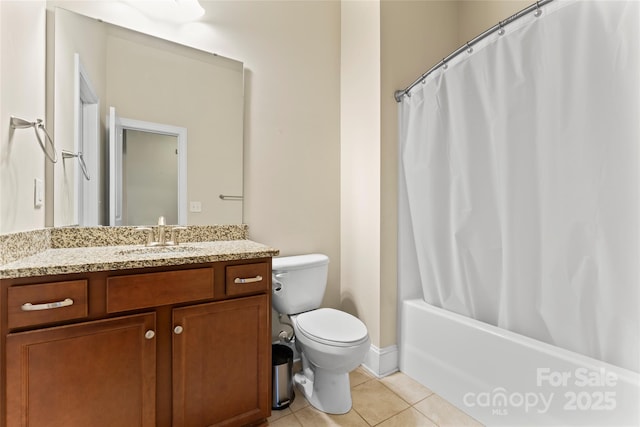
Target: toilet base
328,391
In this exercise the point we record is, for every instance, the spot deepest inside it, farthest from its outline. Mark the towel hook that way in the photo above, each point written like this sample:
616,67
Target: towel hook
18,123
83,166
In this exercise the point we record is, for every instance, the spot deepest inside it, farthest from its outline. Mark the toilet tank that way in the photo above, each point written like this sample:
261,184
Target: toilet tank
299,282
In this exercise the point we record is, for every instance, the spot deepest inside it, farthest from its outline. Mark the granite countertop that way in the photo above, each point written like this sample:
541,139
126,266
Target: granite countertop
89,249
103,258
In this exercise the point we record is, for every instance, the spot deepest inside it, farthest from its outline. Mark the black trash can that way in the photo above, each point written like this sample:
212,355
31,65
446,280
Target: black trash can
282,376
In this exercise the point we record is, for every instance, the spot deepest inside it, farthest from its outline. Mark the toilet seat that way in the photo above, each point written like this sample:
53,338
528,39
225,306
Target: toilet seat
332,327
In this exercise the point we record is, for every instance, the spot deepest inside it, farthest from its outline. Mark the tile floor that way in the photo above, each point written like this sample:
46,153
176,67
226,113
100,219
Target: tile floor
393,401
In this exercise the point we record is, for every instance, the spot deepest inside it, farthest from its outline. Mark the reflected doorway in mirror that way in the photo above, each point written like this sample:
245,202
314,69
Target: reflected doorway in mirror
87,143
147,172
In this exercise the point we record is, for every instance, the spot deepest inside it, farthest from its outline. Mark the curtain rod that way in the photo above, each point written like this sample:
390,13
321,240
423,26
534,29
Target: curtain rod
468,47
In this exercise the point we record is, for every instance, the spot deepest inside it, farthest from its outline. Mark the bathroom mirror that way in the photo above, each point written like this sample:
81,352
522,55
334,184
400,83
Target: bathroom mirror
98,66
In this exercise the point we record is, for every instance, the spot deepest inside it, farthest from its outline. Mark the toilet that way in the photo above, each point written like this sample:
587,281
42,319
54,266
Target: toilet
331,342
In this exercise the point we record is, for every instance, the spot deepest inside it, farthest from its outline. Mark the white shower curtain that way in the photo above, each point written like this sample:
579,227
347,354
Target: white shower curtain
519,165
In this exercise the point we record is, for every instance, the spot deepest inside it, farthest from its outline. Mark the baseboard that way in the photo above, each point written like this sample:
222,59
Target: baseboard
381,361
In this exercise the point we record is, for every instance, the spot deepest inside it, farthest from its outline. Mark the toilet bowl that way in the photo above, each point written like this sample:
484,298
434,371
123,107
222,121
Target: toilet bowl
331,342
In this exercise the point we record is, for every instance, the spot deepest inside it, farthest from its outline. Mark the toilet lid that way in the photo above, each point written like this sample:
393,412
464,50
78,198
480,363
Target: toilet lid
331,326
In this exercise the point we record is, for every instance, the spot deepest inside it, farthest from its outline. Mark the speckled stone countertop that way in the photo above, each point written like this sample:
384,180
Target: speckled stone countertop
118,248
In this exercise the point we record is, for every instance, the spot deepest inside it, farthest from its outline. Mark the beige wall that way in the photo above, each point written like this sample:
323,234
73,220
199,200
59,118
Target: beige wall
415,35
291,52
22,94
475,16
360,162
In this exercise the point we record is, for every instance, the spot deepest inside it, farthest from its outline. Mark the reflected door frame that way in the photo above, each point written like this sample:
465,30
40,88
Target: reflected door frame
117,126
87,142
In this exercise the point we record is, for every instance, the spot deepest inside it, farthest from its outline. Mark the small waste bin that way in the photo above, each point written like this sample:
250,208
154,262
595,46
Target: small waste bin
282,376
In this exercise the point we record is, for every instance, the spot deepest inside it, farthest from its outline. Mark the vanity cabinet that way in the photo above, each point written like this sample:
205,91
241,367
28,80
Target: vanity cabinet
218,362
99,374
182,346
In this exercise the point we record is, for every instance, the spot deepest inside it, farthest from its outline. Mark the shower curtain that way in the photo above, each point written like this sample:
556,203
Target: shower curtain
519,169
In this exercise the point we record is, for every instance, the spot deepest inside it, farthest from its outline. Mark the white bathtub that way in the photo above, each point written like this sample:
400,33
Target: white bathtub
502,378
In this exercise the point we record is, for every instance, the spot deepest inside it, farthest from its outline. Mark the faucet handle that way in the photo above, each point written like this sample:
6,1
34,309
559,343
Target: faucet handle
149,231
174,235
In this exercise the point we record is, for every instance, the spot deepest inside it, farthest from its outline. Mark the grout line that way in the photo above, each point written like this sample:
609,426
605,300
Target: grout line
369,378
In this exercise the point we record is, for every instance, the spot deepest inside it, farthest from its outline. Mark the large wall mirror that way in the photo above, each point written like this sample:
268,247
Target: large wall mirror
100,68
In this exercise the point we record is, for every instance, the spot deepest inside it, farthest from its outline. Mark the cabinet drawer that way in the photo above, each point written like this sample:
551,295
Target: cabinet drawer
247,278
156,289
46,303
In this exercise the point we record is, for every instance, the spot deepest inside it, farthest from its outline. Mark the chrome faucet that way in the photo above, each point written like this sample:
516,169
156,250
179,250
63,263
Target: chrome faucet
161,231
162,234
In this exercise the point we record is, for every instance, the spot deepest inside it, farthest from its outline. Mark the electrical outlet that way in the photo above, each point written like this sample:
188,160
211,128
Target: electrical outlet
38,193
195,207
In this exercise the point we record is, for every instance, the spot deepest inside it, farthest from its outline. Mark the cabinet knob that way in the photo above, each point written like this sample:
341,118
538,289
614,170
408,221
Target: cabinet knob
149,334
178,330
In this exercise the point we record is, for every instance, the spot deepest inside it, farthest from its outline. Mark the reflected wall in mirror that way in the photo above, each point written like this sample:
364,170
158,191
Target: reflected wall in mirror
146,79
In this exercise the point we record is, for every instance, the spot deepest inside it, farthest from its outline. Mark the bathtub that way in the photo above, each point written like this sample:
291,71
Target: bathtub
504,379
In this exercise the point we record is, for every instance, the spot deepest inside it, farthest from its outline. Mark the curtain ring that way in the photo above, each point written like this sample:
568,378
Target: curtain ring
501,30
538,10
469,48
444,64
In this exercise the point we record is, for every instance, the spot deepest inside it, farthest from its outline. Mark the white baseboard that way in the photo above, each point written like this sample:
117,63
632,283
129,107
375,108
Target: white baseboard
381,361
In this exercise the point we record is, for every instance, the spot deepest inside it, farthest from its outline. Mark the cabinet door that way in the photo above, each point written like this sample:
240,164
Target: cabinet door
97,374
222,363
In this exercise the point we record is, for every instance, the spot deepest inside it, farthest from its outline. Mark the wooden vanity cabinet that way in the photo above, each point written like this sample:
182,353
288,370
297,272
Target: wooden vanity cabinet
183,346
100,373
218,362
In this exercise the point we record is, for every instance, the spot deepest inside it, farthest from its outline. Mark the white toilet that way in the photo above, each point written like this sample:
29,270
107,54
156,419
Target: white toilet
331,342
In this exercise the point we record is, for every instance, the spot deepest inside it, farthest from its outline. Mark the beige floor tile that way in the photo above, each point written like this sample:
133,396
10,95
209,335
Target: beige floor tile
375,402
444,413
286,421
311,417
299,402
408,418
405,387
277,414
358,376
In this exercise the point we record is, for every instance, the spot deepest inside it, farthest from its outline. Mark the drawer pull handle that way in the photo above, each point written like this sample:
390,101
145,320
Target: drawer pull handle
150,334
47,306
249,280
